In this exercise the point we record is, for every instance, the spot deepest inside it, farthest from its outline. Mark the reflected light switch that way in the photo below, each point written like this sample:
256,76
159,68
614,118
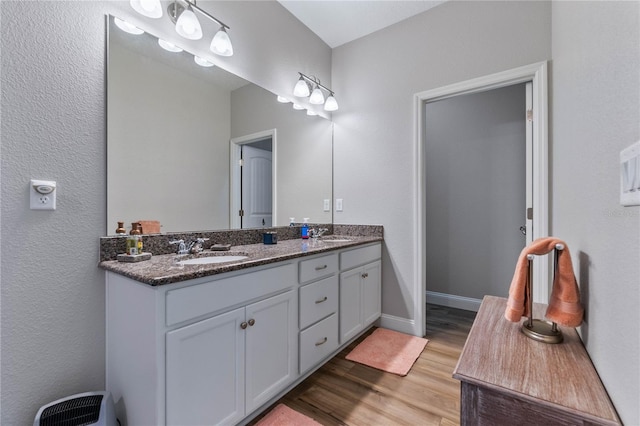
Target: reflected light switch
630,175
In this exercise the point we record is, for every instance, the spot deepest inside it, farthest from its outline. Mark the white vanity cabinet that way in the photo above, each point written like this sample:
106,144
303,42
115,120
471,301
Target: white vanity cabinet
204,351
360,290
224,367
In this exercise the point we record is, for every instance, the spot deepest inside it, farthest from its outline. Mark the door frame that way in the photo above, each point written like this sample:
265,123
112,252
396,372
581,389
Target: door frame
235,147
535,73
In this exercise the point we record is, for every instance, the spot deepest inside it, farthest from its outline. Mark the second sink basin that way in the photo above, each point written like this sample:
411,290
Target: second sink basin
209,258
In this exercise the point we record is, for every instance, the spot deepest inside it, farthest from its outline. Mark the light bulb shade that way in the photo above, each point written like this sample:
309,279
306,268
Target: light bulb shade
170,47
283,100
317,98
301,89
188,25
221,43
127,27
297,107
312,113
331,104
202,62
148,8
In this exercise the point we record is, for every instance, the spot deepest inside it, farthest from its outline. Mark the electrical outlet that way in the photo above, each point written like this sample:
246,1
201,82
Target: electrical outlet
338,204
42,194
326,205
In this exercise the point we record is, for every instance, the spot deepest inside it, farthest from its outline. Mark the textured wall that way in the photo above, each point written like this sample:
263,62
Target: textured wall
596,105
53,127
374,129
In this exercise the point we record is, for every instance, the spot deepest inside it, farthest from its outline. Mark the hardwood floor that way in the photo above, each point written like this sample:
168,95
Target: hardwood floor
347,393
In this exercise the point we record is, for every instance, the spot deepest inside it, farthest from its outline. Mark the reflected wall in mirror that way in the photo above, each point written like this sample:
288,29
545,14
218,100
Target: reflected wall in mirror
173,128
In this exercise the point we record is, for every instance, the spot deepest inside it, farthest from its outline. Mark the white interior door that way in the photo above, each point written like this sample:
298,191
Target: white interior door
256,187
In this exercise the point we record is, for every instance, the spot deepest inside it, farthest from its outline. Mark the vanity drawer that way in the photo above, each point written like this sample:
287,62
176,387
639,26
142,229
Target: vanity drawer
201,299
318,300
318,341
318,267
356,257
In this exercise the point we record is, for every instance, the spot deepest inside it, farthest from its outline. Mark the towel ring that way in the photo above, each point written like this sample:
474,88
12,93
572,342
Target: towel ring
541,330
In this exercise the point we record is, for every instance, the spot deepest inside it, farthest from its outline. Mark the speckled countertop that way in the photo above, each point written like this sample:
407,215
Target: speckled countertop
164,269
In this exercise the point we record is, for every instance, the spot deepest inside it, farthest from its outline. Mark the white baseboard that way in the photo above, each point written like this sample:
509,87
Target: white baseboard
452,301
403,325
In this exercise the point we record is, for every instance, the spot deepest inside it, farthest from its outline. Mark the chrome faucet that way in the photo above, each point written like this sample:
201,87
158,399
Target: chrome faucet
196,246
317,233
182,248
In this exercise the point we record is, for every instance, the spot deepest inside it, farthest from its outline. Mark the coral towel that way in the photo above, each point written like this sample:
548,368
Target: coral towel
564,304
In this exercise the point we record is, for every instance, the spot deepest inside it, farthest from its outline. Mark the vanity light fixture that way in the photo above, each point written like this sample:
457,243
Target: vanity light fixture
148,8
182,14
170,47
302,89
127,27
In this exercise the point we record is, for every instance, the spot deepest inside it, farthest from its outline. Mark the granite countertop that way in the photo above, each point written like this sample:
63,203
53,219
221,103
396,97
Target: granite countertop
163,269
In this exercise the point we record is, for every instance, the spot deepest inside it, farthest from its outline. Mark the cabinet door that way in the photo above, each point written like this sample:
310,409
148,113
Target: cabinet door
350,304
205,371
271,355
371,292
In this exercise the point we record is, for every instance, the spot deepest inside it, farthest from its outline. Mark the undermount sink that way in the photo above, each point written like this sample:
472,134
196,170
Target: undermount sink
210,257
336,240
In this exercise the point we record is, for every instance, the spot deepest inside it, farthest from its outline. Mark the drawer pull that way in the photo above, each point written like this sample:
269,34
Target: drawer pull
324,299
320,268
252,322
322,342
243,325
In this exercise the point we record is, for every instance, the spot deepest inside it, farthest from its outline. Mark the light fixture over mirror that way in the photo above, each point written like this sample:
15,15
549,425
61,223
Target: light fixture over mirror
303,87
181,13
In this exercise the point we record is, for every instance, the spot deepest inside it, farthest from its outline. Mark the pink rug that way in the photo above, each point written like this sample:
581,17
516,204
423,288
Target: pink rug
389,351
285,416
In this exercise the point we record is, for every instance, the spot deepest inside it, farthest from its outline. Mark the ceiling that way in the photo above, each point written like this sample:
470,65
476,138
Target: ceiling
338,22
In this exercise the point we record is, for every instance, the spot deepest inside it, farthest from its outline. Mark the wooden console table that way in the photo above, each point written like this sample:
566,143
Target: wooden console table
510,379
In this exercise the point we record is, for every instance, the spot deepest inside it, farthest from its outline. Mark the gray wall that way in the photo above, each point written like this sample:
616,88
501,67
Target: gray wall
53,127
475,191
374,129
595,110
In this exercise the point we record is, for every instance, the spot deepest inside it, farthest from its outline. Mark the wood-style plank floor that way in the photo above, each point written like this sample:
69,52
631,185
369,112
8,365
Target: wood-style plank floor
347,393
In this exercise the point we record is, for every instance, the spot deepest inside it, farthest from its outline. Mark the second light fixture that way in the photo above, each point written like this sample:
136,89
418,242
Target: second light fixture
311,87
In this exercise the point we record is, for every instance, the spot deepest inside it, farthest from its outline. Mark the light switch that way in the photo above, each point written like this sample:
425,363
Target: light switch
630,175
326,206
338,204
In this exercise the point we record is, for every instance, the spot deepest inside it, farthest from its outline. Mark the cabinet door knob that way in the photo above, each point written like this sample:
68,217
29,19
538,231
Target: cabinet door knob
243,325
365,275
321,342
252,322
320,268
324,299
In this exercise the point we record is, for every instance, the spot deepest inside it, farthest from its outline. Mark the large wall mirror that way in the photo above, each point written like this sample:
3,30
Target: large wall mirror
176,132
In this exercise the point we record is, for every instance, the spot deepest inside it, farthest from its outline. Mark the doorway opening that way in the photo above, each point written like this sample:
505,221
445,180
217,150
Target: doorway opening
537,163
253,180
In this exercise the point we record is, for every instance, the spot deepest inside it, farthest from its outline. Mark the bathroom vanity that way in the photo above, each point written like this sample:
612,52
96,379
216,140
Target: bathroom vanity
508,378
217,344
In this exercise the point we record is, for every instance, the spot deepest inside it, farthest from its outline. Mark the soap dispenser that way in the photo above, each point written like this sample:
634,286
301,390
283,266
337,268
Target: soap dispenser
305,228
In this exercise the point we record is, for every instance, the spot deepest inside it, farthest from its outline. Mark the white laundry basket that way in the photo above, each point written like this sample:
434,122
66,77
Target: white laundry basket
89,408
